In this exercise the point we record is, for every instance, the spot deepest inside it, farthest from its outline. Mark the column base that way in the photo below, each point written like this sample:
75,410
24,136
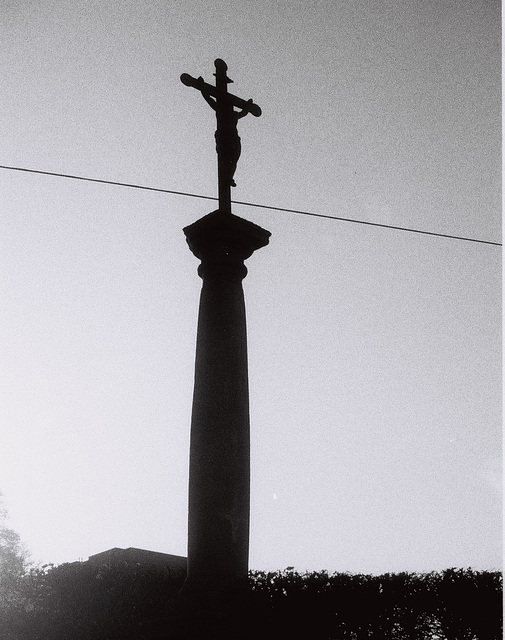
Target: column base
210,615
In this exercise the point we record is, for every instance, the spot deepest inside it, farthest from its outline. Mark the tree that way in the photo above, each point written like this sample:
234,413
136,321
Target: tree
14,568
13,561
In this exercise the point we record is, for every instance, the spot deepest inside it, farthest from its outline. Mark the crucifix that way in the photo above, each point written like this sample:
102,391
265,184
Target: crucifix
227,139
219,461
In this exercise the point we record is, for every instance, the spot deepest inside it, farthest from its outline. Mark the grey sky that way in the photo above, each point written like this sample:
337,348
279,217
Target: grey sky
374,354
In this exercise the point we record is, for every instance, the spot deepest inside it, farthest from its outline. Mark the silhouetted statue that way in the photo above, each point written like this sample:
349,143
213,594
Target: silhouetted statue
227,139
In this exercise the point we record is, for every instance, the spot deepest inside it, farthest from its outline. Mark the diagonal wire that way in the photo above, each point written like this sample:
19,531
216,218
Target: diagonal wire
252,204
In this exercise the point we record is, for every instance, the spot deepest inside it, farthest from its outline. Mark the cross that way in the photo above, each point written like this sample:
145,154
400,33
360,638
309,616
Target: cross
227,139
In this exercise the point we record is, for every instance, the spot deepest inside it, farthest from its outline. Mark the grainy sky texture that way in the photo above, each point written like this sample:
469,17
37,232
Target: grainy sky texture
374,354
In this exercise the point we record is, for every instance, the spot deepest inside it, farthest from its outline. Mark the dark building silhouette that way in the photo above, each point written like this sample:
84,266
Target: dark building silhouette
133,557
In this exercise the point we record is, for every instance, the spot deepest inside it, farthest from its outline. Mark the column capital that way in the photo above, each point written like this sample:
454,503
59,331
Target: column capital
221,238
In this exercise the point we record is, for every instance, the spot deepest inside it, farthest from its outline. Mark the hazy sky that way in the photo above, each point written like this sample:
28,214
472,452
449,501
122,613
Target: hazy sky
374,354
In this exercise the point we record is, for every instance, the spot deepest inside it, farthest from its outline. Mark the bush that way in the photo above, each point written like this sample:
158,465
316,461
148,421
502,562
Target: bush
81,601
453,605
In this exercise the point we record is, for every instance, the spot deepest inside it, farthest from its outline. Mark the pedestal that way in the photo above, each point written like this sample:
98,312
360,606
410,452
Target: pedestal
219,495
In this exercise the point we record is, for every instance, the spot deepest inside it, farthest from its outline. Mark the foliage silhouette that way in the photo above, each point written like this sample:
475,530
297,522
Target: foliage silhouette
14,566
81,601
456,604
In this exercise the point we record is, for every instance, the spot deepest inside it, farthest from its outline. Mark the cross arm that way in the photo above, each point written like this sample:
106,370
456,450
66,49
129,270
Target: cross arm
201,85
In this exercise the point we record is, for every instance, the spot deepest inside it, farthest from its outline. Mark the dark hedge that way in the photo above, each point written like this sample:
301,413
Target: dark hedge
79,601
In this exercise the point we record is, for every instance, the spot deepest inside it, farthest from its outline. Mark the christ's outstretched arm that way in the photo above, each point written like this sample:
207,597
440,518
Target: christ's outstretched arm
243,112
206,94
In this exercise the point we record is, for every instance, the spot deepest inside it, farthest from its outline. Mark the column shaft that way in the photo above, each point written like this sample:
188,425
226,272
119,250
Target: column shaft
218,530
218,518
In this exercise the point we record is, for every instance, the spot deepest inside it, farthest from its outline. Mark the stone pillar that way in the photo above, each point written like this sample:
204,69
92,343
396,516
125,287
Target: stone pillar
218,524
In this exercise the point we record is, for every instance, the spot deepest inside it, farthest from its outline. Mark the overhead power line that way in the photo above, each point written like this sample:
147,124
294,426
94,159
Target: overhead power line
252,204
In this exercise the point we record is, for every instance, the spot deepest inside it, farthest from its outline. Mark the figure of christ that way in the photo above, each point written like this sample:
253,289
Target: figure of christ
227,139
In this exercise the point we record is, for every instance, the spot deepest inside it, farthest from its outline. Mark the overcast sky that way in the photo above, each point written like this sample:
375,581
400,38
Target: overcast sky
374,354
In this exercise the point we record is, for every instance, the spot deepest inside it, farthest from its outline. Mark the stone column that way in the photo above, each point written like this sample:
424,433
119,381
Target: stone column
218,524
